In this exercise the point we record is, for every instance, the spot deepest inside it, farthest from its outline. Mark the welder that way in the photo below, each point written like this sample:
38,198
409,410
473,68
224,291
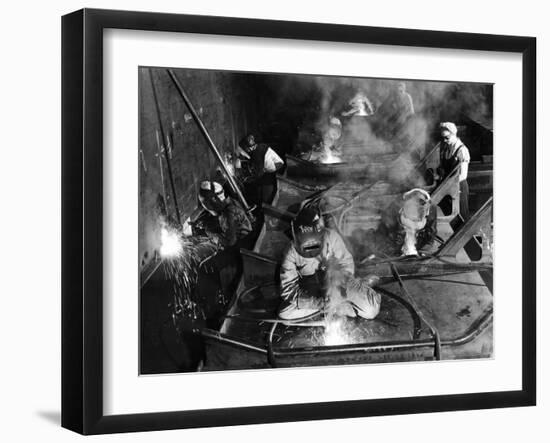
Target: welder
358,118
262,163
359,106
410,223
329,147
230,227
233,223
453,153
317,273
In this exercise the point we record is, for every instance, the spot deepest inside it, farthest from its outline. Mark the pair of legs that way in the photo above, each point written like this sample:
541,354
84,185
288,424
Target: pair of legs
363,302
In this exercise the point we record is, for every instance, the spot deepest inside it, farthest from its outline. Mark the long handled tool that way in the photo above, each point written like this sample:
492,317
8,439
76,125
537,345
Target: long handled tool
208,139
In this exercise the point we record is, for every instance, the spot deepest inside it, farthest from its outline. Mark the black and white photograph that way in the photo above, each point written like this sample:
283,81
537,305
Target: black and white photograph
275,221
291,220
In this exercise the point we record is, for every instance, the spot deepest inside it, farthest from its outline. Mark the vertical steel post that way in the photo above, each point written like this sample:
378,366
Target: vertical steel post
166,157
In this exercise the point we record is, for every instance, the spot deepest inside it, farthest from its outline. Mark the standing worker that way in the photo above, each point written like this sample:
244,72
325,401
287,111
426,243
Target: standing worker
263,163
453,153
396,111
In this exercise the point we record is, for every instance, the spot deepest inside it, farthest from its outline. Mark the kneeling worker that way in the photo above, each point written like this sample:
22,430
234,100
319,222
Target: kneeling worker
317,272
410,224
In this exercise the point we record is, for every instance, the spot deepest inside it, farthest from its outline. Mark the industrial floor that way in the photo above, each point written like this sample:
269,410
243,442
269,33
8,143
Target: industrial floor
454,304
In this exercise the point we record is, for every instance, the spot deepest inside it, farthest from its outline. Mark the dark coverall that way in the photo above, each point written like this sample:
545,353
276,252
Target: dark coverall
446,166
261,185
218,276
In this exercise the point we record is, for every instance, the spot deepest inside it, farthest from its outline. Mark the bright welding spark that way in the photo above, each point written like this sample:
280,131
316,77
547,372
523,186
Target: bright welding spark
171,246
335,333
328,157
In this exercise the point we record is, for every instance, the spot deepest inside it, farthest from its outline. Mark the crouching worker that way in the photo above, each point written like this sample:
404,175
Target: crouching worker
317,273
227,224
412,223
232,223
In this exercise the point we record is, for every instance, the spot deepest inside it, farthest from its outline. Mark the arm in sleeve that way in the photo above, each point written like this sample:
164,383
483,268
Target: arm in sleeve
340,252
369,107
272,162
463,156
228,226
242,154
411,105
289,275
234,224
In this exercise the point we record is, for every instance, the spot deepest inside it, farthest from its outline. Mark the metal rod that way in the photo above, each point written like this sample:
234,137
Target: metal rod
166,157
209,333
208,139
270,356
484,321
433,330
161,167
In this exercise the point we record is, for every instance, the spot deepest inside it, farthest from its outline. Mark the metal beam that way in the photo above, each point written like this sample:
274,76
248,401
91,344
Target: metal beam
472,226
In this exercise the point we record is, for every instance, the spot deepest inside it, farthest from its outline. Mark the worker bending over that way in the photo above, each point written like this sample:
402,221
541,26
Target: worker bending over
411,223
262,163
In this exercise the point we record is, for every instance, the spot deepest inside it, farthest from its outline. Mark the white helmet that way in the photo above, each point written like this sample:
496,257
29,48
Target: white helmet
212,196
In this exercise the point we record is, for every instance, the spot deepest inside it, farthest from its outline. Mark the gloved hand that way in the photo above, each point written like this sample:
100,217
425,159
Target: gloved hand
372,280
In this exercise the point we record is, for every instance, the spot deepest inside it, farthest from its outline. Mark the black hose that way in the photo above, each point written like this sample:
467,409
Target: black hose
417,323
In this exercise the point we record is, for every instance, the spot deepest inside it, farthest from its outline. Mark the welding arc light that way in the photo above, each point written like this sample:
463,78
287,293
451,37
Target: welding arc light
335,333
171,246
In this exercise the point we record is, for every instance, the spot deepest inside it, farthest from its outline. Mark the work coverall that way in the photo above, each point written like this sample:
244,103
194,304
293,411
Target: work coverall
302,285
452,155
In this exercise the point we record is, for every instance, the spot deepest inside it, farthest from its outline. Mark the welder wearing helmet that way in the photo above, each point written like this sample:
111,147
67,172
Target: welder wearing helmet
411,223
313,252
233,223
359,105
263,162
228,226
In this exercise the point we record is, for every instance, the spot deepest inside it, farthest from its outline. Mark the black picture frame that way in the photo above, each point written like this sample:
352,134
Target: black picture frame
82,218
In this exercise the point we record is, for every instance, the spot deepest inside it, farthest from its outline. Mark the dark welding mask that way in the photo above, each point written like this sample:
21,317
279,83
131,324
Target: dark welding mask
308,231
212,197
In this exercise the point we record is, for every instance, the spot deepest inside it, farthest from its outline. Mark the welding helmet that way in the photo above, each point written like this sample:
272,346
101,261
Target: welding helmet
308,231
335,121
212,196
416,205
